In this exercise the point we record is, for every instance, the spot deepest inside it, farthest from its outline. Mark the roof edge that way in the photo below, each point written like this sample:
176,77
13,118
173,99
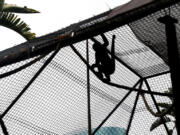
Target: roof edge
80,31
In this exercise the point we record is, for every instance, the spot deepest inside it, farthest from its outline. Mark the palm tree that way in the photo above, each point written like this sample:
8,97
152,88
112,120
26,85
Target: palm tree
10,20
170,115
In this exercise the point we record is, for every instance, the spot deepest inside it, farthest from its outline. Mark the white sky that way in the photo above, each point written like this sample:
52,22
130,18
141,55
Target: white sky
54,15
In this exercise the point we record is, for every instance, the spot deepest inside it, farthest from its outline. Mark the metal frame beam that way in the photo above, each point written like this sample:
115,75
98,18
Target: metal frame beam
116,107
21,52
3,126
30,82
88,90
133,110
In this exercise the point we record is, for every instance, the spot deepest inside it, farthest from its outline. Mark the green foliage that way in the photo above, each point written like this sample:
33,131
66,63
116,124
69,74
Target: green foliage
158,122
10,20
166,119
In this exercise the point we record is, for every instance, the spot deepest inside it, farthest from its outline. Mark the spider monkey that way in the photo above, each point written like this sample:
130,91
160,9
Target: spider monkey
104,61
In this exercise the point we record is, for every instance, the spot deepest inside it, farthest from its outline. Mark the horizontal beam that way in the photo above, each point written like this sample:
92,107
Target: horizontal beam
75,33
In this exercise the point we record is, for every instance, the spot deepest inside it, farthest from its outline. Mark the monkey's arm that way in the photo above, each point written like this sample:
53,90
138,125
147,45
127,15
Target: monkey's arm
95,41
106,42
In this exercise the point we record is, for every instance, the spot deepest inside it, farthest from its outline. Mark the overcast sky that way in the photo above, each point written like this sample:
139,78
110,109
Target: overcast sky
55,14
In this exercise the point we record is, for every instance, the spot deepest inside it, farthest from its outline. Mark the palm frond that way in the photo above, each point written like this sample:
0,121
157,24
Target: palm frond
16,9
171,112
164,105
158,122
11,21
170,91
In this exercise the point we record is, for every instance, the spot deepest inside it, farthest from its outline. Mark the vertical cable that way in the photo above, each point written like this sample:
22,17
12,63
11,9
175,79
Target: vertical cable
88,90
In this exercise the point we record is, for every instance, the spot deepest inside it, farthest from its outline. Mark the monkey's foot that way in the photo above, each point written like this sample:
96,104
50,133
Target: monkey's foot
99,75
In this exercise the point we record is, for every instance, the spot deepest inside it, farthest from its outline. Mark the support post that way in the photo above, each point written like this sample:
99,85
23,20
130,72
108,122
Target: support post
134,108
88,90
117,85
116,107
4,129
174,61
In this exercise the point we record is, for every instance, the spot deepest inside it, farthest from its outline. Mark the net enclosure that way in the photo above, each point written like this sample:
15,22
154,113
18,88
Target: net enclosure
107,75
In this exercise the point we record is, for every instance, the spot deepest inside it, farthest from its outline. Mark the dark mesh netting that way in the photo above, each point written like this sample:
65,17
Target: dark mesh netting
137,56
152,33
56,102
49,96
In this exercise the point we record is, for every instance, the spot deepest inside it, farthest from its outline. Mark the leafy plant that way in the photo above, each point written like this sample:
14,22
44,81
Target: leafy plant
10,20
170,114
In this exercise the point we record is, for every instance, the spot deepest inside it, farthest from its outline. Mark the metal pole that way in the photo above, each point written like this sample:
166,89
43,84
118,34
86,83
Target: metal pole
133,110
116,107
88,90
117,85
4,129
174,61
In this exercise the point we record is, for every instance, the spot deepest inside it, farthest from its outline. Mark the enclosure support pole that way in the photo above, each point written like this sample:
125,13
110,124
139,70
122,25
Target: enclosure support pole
116,107
174,61
30,82
4,129
88,90
157,107
133,110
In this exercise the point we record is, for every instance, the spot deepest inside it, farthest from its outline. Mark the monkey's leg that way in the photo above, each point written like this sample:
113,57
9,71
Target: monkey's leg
106,42
100,72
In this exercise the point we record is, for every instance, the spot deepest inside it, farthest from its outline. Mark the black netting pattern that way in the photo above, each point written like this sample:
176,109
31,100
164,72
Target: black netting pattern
152,33
56,102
